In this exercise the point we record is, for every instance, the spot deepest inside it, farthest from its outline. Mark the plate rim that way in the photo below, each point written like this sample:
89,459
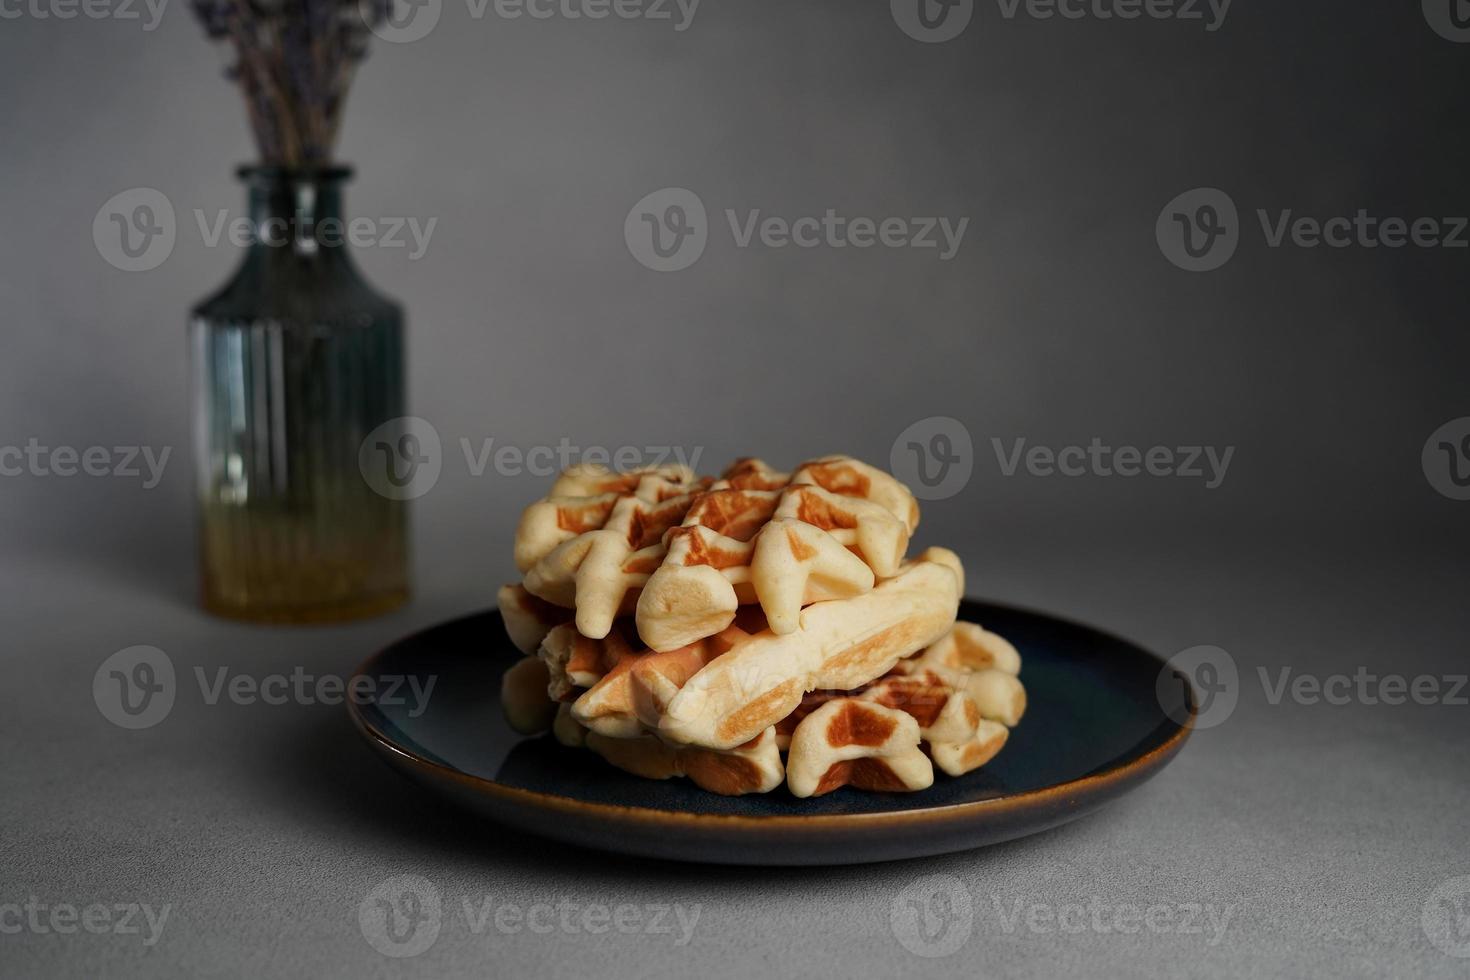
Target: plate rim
1129,768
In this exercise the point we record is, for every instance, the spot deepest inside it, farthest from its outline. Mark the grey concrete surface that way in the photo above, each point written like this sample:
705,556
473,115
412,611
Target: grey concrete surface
1330,834
1316,835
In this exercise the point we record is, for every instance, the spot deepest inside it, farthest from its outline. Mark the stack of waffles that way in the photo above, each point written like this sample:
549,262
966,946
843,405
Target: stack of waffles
752,630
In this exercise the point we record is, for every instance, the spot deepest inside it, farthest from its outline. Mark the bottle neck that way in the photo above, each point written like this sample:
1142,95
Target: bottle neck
296,215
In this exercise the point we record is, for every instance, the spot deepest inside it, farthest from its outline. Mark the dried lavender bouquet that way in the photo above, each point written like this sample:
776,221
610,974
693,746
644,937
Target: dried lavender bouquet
294,61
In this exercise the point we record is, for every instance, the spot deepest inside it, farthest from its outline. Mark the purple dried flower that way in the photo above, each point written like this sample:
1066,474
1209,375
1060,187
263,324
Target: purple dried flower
294,61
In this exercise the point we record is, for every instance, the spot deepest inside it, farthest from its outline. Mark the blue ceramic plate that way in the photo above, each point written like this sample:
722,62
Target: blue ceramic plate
1099,723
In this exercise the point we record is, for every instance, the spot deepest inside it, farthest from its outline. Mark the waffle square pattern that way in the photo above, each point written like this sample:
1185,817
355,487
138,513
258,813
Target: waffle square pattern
750,631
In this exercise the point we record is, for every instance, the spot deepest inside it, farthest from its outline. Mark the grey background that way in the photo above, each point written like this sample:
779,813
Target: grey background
1325,548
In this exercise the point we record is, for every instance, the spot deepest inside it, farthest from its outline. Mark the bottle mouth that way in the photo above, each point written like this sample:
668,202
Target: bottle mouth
276,174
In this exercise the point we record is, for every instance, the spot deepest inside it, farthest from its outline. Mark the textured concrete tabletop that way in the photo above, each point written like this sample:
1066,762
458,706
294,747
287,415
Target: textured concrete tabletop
1163,227
1289,839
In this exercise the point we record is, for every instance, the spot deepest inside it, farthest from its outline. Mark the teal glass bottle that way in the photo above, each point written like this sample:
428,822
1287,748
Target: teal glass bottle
295,362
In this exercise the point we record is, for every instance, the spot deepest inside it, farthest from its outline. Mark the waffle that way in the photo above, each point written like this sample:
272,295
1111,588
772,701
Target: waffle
723,690
930,688
683,553
852,742
754,767
983,664
683,626
841,645
523,696
953,730
527,618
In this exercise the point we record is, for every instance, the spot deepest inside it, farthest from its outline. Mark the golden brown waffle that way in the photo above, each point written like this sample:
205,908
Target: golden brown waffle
951,727
754,767
527,618
523,698
841,645
983,664
687,626
853,742
684,554
931,687
747,677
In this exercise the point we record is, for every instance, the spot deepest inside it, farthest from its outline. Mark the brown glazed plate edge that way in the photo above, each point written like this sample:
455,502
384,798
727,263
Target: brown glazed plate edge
958,826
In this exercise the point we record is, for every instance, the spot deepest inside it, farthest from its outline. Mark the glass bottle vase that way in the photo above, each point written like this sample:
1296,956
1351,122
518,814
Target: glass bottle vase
295,362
